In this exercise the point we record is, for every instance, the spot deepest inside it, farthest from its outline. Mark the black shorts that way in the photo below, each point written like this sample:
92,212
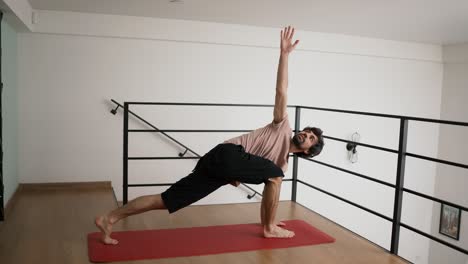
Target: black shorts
223,164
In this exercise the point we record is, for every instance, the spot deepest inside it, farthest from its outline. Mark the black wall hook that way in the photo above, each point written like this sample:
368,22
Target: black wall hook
114,111
182,154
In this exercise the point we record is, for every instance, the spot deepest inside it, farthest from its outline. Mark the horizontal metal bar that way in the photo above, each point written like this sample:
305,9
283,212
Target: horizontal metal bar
352,172
182,131
412,118
437,160
149,184
188,130
365,145
161,158
434,238
347,201
350,112
169,184
362,144
435,199
203,104
429,120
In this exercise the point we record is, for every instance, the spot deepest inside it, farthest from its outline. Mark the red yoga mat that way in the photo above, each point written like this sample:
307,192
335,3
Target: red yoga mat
195,241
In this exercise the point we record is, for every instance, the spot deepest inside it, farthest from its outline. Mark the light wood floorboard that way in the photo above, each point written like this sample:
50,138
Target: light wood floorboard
50,226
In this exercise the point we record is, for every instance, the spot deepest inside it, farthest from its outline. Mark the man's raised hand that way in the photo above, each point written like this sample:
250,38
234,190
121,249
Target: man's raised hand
286,40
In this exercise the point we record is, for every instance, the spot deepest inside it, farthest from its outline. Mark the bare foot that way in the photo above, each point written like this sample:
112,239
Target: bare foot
277,232
103,223
280,223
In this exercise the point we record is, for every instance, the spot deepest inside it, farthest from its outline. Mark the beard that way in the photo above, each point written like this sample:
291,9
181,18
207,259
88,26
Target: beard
297,141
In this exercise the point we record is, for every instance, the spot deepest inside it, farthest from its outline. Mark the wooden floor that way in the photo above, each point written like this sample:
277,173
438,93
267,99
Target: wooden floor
49,225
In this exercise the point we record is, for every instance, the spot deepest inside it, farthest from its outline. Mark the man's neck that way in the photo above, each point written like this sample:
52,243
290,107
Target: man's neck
293,148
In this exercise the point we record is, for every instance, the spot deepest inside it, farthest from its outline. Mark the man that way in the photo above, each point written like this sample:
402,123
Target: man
260,156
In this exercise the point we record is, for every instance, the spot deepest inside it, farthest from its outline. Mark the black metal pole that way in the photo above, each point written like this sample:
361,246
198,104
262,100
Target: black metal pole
295,159
125,154
399,186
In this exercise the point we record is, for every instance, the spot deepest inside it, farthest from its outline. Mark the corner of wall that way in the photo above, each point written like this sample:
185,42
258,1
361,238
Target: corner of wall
18,14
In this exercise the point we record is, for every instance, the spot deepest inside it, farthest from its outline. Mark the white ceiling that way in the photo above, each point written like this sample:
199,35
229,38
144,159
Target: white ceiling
427,21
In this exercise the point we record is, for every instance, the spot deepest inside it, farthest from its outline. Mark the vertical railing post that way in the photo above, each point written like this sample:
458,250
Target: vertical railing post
125,155
295,158
399,185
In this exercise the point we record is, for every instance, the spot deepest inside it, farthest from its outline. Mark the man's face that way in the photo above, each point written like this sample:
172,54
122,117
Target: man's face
305,140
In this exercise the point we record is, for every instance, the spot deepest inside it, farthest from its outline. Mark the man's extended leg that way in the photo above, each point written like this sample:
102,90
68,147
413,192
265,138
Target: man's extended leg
136,206
181,194
268,210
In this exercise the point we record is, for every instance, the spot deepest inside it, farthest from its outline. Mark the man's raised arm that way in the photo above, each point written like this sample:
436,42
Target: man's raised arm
281,98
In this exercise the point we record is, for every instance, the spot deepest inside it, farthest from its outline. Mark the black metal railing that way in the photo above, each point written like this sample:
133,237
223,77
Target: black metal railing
400,173
181,155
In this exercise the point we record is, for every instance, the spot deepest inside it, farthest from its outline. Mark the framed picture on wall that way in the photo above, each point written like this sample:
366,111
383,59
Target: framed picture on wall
450,221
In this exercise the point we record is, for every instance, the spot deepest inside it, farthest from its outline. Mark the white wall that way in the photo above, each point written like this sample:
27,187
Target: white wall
75,63
451,182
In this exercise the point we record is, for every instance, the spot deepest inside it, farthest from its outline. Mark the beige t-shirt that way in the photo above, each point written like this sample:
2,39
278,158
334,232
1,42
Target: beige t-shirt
269,142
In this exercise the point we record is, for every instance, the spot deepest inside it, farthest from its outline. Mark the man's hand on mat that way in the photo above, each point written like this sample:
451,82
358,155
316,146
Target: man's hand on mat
286,40
277,232
235,183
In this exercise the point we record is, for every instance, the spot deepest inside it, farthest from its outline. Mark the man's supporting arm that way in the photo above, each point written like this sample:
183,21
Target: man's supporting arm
270,201
270,204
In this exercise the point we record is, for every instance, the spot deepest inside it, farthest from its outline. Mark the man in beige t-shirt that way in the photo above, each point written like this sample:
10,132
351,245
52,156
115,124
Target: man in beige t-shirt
260,156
